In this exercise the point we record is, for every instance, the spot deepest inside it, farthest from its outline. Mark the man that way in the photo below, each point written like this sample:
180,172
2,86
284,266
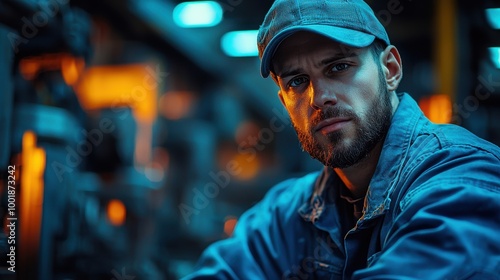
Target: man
399,197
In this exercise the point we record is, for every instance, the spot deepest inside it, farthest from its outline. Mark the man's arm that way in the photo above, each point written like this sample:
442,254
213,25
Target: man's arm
261,246
448,229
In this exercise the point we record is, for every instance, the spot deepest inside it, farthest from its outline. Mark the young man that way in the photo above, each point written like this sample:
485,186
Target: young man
399,197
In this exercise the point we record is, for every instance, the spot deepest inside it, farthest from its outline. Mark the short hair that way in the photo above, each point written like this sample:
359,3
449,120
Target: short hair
377,47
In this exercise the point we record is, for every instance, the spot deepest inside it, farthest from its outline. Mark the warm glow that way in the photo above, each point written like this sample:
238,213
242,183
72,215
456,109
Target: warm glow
144,142
133,85
176,105
71,67
249,168
162,157
229,225
245,132
29,68
31,197
445,55
116,212
437,108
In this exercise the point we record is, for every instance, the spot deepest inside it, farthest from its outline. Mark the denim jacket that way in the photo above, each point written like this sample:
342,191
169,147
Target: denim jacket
432,211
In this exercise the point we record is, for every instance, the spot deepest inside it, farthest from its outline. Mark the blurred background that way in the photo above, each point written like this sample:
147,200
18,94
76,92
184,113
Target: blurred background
137,132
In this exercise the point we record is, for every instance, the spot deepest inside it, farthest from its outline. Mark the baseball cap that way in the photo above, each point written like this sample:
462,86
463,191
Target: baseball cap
350,22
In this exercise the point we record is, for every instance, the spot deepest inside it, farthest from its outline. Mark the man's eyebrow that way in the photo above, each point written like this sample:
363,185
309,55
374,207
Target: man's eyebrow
326,61
338,56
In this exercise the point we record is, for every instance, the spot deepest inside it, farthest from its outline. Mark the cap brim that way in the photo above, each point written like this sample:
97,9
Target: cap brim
349,37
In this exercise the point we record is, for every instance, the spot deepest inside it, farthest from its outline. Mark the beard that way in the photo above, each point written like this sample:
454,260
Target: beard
369,132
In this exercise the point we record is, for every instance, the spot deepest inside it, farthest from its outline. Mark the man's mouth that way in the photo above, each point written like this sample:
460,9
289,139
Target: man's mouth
331,125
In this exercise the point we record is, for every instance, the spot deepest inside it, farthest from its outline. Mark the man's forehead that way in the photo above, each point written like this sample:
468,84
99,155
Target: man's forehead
309,44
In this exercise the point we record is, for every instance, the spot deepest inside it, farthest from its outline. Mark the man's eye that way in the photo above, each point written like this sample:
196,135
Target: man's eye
297,81
340,67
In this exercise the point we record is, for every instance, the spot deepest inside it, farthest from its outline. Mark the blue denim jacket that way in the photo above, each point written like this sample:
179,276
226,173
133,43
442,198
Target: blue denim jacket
432,211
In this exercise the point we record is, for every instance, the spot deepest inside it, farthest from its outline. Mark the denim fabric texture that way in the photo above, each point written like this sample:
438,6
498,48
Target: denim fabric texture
432,211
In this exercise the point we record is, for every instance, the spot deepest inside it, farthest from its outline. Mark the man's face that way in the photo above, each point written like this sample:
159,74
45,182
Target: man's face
337,97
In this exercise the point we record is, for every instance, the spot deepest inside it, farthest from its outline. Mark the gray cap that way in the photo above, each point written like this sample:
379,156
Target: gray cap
350,22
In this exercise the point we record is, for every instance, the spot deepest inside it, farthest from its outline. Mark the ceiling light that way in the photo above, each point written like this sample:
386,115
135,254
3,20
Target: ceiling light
493,17
495,56
197,14
240,43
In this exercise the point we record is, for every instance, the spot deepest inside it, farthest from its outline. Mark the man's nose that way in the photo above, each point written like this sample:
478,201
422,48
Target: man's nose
322,94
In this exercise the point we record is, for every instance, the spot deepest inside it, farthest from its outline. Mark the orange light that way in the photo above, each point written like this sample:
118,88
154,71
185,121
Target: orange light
249,166
70,66
144,141
71,69
116,212
445,54
246,131
437,108
134,86
162,157
229,225
31,197
129,85
176,105
29,69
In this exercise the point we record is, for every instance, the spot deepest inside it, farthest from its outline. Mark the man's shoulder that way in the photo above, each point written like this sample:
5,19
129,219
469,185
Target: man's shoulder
457,138
445,155
281,203
290,194
293,187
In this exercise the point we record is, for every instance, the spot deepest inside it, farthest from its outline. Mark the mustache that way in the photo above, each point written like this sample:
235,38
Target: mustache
331,112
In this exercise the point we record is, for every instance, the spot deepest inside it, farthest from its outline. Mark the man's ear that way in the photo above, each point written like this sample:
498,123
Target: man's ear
392,67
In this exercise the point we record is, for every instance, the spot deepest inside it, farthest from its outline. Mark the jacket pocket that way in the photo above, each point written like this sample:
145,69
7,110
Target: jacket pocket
328,271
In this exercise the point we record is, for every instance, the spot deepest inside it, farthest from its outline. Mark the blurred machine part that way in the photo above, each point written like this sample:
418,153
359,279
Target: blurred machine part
139,141
85,207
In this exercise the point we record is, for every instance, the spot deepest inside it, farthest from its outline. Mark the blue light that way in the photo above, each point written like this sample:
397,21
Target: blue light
240,43
495,56
493,16
197,14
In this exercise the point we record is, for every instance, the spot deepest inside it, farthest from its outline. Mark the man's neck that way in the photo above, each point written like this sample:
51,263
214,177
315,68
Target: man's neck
357,178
